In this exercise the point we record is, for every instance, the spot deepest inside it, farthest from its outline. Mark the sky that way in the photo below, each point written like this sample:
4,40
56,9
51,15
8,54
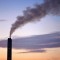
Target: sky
10,9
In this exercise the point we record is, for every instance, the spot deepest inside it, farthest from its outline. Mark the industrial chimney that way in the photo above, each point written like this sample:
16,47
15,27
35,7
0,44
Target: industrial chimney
9,49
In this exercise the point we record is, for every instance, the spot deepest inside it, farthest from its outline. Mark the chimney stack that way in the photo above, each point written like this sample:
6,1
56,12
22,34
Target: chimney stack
9,49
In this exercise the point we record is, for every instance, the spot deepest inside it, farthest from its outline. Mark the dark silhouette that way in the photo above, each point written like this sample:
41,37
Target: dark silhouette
9,49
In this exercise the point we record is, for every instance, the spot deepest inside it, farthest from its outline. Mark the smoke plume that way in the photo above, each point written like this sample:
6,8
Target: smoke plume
36,13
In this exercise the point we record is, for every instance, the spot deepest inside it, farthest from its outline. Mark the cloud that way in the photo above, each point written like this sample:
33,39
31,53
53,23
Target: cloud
34,43
36,51
2,20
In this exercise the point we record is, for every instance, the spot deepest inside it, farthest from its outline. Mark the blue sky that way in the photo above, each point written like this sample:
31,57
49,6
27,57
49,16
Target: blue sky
10,9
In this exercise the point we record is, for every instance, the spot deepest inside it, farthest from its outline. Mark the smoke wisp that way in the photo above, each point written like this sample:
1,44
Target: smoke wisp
36,13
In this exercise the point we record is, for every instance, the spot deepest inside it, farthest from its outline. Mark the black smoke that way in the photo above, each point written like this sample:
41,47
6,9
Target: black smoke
36,13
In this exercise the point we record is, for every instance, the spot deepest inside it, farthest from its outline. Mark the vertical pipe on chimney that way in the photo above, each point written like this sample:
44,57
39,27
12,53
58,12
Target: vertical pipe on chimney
9,49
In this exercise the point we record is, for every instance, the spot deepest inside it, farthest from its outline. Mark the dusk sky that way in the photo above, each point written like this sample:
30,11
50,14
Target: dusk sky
10,9
49,24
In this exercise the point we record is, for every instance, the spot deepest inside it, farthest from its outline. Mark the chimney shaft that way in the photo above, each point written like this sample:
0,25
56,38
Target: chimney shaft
9,49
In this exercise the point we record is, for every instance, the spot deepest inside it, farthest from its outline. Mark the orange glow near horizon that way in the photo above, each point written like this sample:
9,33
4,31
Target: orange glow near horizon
50,54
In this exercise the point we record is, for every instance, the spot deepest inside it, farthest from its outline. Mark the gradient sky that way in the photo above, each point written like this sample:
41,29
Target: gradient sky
10,9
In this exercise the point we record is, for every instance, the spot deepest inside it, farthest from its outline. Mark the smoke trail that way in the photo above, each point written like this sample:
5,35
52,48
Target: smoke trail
36,13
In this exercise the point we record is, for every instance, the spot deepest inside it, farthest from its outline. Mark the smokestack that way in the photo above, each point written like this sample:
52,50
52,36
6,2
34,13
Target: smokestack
9,49
36,13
